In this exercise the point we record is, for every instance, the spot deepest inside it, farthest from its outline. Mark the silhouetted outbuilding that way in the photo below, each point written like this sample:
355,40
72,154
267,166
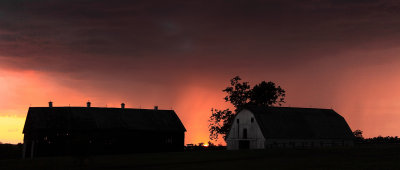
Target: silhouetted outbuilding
259,127
53,131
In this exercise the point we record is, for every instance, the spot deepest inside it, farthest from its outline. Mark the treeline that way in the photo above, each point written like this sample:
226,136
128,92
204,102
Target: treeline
375,140
10,151
379,140
204,147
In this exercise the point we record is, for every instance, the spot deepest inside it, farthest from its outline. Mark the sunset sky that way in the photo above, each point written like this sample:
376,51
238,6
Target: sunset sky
339,54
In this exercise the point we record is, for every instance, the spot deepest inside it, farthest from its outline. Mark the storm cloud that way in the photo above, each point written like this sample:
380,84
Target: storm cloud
76,36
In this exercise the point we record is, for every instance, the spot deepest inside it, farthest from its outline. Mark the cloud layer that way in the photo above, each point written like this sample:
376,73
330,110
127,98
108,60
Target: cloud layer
79,36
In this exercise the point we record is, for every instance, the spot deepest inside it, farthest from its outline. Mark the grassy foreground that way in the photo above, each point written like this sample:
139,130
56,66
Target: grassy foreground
360,157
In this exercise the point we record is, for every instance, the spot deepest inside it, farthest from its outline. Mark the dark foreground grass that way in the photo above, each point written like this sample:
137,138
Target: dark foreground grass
361,157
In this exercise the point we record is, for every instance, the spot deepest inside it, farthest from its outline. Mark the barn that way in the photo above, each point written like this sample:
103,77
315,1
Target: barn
58,131
257,127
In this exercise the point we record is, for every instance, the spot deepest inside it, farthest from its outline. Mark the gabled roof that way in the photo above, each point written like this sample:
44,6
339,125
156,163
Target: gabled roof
95,118
301,123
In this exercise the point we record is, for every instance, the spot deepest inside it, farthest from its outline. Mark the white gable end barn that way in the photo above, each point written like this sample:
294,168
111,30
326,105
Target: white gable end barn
265,127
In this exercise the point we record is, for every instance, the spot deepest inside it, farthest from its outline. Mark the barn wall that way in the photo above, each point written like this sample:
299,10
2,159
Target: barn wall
254,135
52,143
306,143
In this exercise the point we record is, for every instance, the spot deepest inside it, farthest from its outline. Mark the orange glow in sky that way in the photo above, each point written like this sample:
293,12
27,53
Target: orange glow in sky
367,97
23,89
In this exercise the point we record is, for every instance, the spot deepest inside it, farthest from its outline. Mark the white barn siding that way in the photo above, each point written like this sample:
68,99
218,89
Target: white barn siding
254,134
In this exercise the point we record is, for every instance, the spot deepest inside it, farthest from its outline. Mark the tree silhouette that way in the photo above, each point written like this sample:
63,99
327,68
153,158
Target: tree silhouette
240,94
267,94
358,134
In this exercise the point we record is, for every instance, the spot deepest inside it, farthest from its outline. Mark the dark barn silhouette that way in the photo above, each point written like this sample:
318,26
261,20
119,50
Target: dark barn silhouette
57,131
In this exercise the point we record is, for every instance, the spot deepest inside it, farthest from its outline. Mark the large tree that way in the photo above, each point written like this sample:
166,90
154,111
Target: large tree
239,94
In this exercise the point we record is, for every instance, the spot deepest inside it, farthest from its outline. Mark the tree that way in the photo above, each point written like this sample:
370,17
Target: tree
358,134
240,94
267,94
210,144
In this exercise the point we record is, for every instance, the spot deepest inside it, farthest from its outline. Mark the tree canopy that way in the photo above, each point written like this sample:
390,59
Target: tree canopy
240,94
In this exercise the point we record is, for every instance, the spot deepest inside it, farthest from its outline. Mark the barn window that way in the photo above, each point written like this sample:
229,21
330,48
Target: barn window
237,121
252,119
244,133
168,140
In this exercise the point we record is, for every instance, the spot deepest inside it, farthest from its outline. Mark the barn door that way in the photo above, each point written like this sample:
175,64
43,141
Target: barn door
244,144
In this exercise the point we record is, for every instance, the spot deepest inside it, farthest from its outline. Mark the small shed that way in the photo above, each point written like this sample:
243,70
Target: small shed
56,131
257,127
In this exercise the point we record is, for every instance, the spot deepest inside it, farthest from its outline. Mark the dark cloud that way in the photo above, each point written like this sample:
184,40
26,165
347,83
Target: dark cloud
162,38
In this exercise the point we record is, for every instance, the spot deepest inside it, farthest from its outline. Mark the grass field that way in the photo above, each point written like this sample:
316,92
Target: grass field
360,157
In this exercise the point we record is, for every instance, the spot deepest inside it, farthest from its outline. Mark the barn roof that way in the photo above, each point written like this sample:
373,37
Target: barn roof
301,123
96,118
